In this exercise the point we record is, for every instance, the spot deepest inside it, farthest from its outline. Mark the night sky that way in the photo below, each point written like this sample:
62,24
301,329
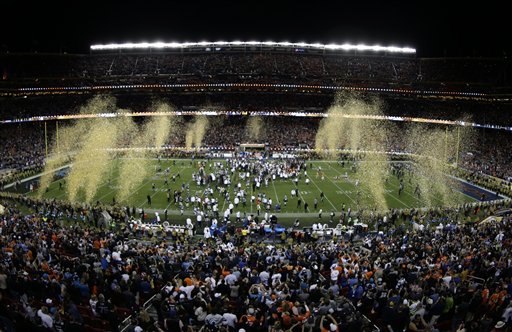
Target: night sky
431,27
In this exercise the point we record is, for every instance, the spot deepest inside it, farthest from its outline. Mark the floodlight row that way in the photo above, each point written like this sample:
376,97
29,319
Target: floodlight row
333,47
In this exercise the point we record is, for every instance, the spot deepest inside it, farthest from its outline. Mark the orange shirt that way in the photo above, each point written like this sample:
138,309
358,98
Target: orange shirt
493,300
485,295
45,267
225,272
287,320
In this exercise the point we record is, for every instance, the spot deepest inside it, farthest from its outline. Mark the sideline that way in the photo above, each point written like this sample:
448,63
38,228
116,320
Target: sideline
35,176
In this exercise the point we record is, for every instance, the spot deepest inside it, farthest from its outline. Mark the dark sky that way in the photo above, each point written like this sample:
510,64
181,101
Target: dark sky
430,26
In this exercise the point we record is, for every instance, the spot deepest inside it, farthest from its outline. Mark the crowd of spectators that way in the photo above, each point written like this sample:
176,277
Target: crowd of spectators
251,66
491,155
30,106
23,145
21,151
454,277
62,269
481,112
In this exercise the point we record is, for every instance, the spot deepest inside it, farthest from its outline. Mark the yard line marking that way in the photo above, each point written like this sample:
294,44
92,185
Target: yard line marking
341,189
252,192
275,191
366,192
227,188
156,191
64,192
327,198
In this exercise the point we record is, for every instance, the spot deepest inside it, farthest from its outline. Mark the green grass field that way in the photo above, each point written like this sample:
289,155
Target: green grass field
337,189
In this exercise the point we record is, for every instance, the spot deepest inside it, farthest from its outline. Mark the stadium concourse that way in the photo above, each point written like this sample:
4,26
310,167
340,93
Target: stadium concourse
74,267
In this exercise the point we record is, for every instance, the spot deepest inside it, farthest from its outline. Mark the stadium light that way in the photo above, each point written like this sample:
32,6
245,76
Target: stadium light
159,45
343,47
122,113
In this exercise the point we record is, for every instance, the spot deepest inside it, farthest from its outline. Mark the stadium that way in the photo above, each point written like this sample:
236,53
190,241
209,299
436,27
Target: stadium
254,185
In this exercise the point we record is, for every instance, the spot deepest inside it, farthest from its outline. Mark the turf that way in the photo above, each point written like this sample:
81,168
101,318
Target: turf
338,190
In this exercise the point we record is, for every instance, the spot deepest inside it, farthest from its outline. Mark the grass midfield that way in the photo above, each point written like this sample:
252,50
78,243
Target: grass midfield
336,181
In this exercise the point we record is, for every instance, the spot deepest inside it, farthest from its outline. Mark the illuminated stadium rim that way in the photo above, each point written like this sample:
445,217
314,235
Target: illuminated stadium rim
220,44
253,85
260,113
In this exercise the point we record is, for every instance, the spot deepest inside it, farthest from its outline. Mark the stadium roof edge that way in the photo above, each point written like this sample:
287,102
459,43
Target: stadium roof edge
220,44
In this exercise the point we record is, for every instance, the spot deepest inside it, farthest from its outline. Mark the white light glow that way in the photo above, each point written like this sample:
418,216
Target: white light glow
344,47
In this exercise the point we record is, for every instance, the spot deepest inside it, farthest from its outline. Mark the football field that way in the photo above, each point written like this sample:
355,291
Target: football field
337,182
